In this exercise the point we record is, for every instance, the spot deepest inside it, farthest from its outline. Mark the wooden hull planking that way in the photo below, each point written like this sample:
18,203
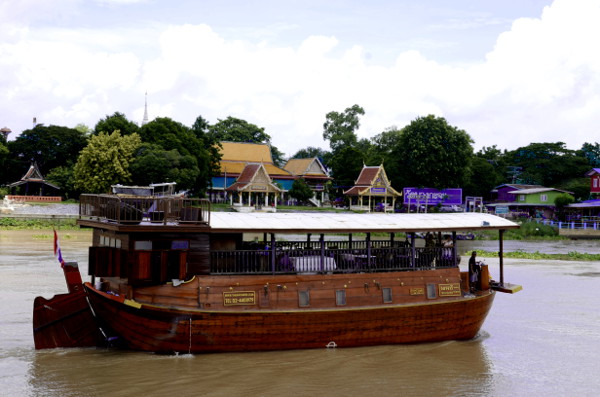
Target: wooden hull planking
167,330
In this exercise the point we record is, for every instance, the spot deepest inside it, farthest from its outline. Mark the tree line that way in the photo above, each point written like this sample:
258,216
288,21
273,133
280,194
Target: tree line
428,152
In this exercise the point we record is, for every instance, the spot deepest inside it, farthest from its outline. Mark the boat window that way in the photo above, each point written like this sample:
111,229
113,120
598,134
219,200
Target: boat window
431,291
304,298
340,297
387,295
142,245
117,243
180,244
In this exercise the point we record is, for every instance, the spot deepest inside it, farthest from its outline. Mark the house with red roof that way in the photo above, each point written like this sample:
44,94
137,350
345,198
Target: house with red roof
372,191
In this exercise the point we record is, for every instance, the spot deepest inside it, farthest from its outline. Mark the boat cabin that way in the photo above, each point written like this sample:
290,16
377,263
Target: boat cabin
153,240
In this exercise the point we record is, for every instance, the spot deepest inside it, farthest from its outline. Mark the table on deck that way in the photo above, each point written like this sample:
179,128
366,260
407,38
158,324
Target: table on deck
312,264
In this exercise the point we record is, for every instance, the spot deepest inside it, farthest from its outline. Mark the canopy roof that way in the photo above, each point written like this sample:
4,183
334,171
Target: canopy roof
227,222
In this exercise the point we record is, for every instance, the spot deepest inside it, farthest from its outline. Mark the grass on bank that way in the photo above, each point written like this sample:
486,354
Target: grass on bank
519,254
37,224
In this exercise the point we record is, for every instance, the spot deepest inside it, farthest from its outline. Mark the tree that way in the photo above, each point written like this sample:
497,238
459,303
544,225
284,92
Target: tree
561,201
340,128
62,176
346,166
116,122
591,151
3,156
309,152
172,135
50,147
300,190
153,164
434,154
105,162
548,164
237,130
201,129
482,180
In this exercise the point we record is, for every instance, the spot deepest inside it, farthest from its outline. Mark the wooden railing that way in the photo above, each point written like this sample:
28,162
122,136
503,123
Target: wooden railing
330,260
137,210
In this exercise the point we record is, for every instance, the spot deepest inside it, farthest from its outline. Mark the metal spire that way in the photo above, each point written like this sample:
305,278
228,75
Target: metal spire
145,120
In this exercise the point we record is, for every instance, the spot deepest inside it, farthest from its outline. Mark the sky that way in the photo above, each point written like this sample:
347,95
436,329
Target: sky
509,72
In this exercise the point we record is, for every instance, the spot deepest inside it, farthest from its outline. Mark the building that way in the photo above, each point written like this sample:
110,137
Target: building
235,156
33,187
315,175
372,191
534,202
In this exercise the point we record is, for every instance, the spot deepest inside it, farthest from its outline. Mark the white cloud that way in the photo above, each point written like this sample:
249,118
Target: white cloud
539,82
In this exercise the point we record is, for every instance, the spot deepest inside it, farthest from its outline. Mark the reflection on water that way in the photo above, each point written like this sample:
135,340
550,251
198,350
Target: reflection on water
544,340
460,367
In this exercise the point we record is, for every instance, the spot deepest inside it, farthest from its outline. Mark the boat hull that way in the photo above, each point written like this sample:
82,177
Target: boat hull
168,330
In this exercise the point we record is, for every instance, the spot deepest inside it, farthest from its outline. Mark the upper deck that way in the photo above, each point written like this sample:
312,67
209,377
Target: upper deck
136,213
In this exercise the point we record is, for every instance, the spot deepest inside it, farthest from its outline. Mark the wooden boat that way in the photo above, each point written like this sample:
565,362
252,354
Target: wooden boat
200,281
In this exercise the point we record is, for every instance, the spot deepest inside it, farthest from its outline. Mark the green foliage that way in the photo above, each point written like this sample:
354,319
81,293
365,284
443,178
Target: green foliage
116,122
519,254
301,191
63,177
188,143
432,153
547,164
105,162
340,128
153,164
531,229
346,165
19,223
483,179
237,130
309,152
49,147
591,151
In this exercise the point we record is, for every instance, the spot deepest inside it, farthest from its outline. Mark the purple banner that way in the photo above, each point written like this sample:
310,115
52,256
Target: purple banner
431,196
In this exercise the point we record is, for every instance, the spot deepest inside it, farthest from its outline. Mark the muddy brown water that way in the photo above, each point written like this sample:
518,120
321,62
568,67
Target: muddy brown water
544,340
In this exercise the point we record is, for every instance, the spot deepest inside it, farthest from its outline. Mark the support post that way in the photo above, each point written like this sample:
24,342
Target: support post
500,256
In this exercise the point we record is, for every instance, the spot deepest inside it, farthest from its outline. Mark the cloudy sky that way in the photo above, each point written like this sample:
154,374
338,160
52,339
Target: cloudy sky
508,72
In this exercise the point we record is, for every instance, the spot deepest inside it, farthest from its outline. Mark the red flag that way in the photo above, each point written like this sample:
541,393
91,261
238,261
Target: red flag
57,252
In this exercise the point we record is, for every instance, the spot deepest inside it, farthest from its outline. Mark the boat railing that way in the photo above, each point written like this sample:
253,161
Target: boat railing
143,210
342,244
329,260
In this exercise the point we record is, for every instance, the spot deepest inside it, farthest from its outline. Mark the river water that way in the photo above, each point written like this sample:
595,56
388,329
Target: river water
544,340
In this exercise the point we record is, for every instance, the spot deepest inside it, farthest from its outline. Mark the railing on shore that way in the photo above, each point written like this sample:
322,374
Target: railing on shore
581,224
374,258
144,210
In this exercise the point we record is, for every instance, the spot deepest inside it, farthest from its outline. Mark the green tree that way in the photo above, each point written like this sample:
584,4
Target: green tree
237,130
548,164
201,128
591,151
105,162
153,164
3,157
340,128
560,202
483,179
346,166
434,154
172,135
62,176
301,191
49,146
309,152
116,122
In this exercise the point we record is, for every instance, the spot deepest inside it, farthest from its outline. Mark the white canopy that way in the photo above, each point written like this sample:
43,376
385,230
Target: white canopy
324,222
